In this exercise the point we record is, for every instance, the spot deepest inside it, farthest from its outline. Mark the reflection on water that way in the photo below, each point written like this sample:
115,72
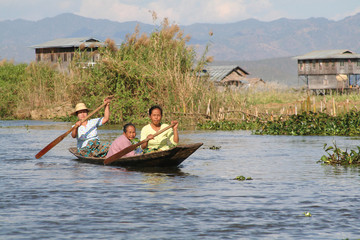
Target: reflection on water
56,197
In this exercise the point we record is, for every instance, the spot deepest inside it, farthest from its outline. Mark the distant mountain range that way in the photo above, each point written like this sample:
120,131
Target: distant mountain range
243,42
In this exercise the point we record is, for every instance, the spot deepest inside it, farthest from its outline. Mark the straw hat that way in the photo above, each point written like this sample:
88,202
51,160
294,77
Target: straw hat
79,107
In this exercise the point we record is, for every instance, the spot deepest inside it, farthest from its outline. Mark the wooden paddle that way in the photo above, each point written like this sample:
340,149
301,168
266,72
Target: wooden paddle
133,147
60,138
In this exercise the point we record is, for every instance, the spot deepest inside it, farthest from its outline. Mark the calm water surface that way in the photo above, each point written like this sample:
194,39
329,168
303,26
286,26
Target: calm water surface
56,197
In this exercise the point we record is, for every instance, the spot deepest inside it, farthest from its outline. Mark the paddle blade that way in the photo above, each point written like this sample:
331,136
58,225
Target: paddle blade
51,145
120,154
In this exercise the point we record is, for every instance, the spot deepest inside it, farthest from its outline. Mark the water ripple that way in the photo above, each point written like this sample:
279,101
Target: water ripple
56,197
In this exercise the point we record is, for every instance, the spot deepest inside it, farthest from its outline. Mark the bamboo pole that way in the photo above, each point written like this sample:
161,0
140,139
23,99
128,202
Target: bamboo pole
308,104
321,106
314,102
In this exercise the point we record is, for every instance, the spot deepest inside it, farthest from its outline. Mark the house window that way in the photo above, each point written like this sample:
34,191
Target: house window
358,63
342,63
313,64
65,57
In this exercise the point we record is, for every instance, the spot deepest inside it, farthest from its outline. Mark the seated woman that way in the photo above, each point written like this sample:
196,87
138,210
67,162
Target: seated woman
124,141
88,142
165,139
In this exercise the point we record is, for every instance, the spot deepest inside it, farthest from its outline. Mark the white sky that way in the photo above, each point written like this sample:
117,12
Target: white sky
183,12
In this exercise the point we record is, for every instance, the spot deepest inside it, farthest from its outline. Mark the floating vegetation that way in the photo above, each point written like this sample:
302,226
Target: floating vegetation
214,147
307,214
310,123
314,124
337,156
230,125
242,178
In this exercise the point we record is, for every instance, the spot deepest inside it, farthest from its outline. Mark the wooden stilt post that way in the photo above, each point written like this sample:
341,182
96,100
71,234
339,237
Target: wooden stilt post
314,102
321,106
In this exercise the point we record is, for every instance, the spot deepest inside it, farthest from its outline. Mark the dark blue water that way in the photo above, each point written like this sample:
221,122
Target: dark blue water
56,197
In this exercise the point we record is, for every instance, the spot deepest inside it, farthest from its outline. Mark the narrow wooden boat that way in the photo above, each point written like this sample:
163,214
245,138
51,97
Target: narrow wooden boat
168,158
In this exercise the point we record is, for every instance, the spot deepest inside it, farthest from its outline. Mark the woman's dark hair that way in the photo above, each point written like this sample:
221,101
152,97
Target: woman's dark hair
128,125
153,108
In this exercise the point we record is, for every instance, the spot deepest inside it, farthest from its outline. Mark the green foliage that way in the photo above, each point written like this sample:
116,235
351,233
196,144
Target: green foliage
314,124
337,156
307,214
242,178
230,125
11,78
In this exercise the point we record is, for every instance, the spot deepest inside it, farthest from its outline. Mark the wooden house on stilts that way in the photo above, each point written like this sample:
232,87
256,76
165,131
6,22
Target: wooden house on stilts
63,51
328,70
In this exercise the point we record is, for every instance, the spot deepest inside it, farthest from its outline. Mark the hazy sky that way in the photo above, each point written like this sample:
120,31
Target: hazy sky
183,12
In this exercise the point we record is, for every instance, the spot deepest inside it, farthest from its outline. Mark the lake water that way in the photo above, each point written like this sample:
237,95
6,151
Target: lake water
56,197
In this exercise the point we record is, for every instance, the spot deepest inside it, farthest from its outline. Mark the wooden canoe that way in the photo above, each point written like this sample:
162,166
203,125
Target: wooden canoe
168,158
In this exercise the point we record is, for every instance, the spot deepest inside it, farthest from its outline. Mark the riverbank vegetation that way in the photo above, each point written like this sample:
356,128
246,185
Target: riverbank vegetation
161,68
144,70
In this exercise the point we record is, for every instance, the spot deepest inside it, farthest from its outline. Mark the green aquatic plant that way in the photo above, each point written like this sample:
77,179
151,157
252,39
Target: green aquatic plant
307,214
337,156
314,124
230,125
242,178
306,123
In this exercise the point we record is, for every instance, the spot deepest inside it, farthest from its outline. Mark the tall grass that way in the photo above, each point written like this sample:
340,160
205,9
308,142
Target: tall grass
11,78
146,70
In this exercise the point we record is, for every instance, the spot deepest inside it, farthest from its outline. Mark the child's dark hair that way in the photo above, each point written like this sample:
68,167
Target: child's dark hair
155,107
128,125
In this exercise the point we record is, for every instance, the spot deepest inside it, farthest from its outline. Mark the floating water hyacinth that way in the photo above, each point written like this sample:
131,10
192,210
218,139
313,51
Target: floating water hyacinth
337,156
242,178
307,214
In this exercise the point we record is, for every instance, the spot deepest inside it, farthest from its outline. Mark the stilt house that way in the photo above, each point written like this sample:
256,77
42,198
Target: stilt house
63,50
329,70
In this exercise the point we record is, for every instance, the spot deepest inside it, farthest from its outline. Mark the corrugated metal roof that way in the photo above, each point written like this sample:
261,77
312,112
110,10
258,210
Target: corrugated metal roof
329,54
218,73
69,42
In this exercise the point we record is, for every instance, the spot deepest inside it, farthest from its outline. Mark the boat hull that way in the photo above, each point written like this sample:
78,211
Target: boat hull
168,158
